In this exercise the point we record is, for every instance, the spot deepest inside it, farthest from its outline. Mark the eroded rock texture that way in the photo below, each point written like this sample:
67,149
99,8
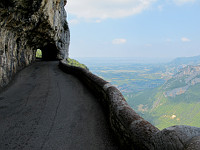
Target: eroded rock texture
26,25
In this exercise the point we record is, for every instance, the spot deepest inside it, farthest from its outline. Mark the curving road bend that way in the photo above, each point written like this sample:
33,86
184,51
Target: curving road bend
45,108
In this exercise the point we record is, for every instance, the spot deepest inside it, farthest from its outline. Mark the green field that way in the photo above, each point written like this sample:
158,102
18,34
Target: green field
143,86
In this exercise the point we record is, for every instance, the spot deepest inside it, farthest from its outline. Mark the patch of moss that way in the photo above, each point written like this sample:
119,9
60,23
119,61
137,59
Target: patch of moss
75,63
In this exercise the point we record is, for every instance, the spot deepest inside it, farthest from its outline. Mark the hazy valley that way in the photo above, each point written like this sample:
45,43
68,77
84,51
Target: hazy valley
165,94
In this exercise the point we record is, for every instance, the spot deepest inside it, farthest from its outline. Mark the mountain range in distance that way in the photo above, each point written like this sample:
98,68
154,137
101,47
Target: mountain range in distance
195,60
165,93
177,101
138,60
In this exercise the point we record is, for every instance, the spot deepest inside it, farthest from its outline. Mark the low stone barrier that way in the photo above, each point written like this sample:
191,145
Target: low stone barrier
132,130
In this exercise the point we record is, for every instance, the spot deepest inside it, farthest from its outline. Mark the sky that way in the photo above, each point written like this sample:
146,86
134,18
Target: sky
134,28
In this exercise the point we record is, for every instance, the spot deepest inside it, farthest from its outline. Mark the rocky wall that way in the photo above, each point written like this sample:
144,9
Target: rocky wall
133,131
26,25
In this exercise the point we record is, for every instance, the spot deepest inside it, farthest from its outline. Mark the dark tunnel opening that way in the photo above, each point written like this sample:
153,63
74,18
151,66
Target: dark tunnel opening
49,52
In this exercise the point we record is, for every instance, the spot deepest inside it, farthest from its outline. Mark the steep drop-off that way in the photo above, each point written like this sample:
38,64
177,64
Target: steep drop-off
176,102
26,25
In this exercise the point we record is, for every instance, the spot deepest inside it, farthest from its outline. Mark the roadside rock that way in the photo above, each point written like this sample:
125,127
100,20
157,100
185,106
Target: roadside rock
25,26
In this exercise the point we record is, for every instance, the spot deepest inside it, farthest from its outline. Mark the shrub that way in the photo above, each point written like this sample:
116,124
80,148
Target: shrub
75,63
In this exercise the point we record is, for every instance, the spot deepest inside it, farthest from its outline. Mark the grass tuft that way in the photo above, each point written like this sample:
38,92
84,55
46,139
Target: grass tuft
75,63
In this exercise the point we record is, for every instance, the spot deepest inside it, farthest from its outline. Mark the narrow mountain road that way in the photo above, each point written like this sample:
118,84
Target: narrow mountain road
45,108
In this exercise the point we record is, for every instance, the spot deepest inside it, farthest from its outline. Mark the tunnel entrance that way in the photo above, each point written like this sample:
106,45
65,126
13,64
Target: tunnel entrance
38,54
49,52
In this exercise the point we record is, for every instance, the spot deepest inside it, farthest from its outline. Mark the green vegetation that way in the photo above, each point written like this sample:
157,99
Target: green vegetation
174,83
38,53
144,87
179,109
191,95
172,113
75,63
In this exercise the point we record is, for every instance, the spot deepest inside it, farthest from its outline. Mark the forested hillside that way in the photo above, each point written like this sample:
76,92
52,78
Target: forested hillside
165,94
178,100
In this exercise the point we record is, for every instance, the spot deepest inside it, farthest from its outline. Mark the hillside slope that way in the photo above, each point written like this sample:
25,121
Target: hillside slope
178,100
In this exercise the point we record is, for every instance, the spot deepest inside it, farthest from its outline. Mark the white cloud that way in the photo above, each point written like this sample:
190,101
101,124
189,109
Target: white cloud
119,41
103,9
181,2
73,21
160,7
184,39
98,21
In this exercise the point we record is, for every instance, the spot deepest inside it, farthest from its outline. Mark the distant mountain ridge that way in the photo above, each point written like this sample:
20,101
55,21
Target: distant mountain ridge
178,100
180,82
195,60
165,94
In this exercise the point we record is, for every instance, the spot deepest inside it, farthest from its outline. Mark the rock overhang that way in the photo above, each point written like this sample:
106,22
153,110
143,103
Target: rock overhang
40,22
28,25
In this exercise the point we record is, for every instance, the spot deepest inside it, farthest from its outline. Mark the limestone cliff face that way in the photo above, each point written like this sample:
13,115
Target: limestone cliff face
26,25
182,81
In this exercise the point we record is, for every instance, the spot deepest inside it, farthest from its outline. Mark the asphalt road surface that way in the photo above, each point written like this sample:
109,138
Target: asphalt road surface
45,108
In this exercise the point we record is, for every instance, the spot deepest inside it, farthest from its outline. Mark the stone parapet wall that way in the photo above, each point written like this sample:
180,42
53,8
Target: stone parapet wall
132,130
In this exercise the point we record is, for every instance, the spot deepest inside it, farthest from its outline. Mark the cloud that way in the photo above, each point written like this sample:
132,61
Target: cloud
160,7
73,21
119,41
98,21
184,39
103,9
181,2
